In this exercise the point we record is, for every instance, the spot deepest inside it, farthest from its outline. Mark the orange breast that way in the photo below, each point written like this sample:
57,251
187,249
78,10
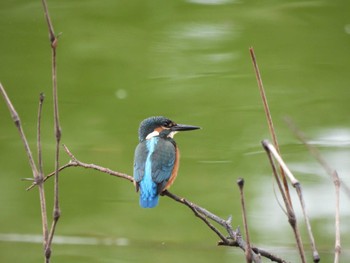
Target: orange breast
175,170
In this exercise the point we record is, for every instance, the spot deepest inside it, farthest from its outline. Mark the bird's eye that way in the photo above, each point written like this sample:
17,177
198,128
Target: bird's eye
168,124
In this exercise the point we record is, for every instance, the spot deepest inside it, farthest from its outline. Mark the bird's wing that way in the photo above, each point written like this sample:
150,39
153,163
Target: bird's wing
141,153
163,160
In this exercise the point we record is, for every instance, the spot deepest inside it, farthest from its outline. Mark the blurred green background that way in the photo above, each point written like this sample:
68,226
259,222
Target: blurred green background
122,61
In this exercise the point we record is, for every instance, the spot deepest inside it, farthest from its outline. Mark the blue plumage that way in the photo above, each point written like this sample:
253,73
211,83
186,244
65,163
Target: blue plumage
155,163
149,189
153,172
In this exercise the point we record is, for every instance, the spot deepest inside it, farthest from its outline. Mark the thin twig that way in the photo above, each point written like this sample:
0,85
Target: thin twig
52,35
315,254
297,186
17,121
49,175
248,252
36,175
317,155
268,117
40,179
56,210
268,255
336,181
207,222
40,160
337,218
271,151
76,163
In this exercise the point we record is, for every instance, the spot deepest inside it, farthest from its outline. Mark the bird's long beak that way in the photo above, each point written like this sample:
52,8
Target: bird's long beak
184,127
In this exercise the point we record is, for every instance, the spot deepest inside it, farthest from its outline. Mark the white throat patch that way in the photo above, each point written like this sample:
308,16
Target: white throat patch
172,134
152,134
156,133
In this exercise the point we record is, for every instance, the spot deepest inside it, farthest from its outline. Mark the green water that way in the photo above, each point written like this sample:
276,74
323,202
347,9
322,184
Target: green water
122,61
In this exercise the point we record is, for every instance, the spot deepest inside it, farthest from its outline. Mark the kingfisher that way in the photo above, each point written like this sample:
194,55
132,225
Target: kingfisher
157,157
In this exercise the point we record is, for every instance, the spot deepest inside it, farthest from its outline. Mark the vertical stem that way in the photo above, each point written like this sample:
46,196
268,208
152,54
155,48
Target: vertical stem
316,257
248,251
40,178
269,118
57,133
337,218
57,129
336,180
290,212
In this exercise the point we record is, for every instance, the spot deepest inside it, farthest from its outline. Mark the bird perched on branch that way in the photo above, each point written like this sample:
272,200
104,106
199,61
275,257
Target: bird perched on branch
157,157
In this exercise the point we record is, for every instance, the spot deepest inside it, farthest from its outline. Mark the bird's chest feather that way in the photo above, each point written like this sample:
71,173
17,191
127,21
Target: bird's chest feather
161,159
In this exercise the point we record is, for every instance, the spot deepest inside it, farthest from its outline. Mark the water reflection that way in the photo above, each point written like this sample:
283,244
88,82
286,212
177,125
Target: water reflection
212,2
318,187
335,137
64,240
194,50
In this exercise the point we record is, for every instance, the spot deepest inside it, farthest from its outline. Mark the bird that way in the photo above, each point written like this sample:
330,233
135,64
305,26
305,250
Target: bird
156,160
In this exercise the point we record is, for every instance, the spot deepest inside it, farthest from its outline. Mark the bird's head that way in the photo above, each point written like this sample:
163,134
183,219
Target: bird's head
161,126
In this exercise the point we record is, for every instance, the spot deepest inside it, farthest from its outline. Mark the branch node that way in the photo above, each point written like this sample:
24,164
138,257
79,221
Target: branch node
240,182
47,252
39,180
56,214
41,97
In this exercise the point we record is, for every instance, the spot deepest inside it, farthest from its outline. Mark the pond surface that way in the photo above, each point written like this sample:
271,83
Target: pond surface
122,61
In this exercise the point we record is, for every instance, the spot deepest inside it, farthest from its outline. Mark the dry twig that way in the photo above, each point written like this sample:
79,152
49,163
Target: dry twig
290,212
41,175
271,151
37,175
248,252
269,118
336,181
56,210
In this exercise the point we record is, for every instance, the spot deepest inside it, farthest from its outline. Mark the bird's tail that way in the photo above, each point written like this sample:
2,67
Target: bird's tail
149,202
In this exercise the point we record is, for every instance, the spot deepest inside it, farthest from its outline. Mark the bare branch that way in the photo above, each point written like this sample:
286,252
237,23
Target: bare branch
52,35
17,121
333,175
57,128
337,218
36,175
250,255
317,155
40,161
40,178
234,237
290,212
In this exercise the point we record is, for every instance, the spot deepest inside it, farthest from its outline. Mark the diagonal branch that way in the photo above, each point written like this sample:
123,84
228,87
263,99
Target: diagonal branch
336,181
268,118
36,174
233,237
17,121
271,151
